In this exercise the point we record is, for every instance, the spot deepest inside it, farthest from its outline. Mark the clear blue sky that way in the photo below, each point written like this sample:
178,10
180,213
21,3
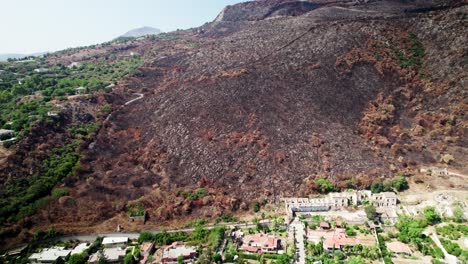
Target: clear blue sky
28,26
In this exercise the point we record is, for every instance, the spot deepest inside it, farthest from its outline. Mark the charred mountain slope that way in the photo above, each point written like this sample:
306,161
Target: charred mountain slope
260,108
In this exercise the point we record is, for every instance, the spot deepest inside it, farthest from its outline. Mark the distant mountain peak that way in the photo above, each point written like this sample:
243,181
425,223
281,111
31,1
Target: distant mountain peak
143,31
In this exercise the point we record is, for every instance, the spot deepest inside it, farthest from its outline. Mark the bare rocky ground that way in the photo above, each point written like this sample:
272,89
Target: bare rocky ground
268,98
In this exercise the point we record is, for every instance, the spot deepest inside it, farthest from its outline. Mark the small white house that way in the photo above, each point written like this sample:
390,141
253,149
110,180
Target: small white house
80,90
80,248
50,255
115,242
112,255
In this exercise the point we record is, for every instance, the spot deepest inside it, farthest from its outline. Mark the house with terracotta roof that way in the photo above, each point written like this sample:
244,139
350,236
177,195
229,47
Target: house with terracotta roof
260,243
398,247
334,239
338,239
324,225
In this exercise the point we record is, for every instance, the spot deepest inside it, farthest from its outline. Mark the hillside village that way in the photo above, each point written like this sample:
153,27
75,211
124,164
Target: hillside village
349,227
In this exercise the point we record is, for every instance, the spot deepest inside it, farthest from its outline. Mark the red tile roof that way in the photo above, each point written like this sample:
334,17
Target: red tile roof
260,241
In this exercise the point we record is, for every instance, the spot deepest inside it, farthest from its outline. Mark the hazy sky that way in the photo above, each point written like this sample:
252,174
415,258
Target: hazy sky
28,26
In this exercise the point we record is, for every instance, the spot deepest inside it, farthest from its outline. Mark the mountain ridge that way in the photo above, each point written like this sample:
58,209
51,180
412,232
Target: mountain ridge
142,31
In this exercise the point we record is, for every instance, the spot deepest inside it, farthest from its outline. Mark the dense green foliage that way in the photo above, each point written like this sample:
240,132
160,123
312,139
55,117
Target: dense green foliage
26,95
77,259
30,193
136,210
453,248
451,231
200,236
193,195
398,184
227,218
411,231
59,192
256,207
432,217
29,91
371,212
40,235
324,186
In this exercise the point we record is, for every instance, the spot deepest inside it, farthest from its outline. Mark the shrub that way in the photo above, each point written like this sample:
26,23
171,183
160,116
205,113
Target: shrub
59,192
256,207
324,186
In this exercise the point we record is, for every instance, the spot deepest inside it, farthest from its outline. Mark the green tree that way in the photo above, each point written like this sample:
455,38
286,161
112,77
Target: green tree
217,258
256,207
431,215
145,236
180,260
371,212
400,184
129,259
376,187
458,215
324,186
77,259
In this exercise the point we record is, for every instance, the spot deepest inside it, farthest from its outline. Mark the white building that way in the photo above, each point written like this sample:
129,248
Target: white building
80,90
80,248
384,199
337,201
112,255
50,255
115,242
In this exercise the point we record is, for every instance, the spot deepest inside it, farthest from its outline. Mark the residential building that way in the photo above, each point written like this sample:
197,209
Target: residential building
50,255
80,90
74,64
334,239
337,201
324,225
112,255
80,248
17,251
176,250
260,243
6,133
398,247
384,199
338,240
52,113
115,242
146,249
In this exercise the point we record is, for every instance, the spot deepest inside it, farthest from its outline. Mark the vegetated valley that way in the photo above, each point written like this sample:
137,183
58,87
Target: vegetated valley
271,99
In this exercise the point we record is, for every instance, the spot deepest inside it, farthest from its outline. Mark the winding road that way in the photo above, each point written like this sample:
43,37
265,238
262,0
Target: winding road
140,96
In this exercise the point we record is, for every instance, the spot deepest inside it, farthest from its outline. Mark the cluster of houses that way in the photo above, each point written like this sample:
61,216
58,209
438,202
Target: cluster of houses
337,201
114,251
336,239
54,254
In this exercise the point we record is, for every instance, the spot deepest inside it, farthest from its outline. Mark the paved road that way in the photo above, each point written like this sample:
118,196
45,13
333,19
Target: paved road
298,228
134,235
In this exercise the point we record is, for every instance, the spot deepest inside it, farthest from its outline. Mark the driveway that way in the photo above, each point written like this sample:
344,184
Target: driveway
299,233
